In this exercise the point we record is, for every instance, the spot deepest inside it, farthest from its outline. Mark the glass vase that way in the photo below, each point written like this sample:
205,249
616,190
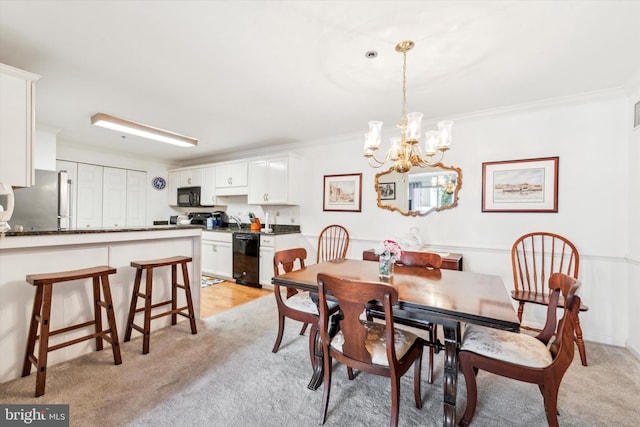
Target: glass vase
386,267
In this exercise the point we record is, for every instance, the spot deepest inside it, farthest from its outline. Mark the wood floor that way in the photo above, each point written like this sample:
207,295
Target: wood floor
223,296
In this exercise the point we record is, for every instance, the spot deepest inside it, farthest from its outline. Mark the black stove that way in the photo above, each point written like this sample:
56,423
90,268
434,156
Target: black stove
220,219
200,218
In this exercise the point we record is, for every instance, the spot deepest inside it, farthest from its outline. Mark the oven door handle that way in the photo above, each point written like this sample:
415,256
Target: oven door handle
244,237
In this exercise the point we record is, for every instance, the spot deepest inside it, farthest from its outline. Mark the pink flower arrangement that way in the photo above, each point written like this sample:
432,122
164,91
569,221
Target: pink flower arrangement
389,249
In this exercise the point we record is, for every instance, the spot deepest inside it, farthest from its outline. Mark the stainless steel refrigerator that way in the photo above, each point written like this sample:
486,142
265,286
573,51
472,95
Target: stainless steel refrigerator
46,205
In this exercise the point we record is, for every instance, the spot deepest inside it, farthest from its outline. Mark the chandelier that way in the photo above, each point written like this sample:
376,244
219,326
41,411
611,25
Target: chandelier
405,151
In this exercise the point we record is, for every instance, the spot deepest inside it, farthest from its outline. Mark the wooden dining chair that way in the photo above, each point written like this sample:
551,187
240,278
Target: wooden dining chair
523,357
295,305
534,257
362,345
416,260
333,243
421,259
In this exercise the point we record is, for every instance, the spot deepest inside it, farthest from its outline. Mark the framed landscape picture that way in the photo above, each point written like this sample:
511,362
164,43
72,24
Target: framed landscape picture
342,193
529,185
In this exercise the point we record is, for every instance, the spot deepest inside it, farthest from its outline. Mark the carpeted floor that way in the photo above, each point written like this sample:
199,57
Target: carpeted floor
226,375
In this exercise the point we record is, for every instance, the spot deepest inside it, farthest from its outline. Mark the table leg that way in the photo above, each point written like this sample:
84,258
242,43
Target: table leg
451,346
318,370
318,356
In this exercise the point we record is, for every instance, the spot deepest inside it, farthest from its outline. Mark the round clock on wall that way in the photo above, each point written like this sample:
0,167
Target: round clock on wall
159,183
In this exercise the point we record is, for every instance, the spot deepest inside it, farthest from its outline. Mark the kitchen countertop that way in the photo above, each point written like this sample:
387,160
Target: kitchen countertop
275,232
53,232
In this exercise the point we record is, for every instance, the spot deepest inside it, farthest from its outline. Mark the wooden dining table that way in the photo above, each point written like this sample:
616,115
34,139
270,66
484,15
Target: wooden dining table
444,297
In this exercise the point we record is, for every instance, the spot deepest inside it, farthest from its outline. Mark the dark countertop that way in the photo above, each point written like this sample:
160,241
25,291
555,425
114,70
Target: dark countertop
50,232
277,229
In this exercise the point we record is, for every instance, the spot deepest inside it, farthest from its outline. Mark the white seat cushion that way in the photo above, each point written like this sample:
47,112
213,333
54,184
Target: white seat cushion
302,302
521,349
376,343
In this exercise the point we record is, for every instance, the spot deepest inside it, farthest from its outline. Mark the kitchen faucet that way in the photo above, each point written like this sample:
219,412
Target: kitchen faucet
237,220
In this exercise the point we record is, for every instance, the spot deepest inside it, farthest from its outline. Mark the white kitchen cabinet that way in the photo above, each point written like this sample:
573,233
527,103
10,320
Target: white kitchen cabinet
208,188
231,179
274,181
89,195
17,119
107,197
172,187
191,177
269,244
124,198
114,197
136,198
266,265
217,254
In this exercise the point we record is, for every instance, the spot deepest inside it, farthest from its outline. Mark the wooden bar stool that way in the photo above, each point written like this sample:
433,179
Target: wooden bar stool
41,316
148,267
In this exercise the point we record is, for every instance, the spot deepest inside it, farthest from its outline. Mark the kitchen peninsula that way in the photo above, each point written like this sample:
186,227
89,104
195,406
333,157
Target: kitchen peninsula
48,251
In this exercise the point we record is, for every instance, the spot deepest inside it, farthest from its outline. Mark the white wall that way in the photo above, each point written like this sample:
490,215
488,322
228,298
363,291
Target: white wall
590,137
633,339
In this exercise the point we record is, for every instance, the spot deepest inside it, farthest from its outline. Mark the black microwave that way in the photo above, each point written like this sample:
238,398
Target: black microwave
189,196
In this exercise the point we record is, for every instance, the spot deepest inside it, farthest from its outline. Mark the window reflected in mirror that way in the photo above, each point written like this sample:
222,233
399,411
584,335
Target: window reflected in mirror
420,191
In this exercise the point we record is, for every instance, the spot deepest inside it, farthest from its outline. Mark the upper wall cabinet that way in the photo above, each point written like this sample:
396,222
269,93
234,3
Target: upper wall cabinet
208,194
17,116
274,181
172,187
178,178
231,179
191,177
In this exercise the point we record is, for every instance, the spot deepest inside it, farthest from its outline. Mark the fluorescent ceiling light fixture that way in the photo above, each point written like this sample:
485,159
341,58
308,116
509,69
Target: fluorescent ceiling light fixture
138,129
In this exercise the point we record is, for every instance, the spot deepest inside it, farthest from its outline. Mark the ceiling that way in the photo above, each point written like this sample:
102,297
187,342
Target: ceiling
247,75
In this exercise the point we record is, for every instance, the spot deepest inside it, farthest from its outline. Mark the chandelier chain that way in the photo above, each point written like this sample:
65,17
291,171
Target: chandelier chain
404,84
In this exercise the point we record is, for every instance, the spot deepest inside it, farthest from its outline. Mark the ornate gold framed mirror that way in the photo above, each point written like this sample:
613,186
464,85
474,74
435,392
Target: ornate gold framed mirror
420,191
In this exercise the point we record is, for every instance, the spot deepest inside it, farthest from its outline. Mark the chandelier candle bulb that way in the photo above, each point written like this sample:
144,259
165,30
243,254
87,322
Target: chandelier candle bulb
413,126
395,149
432,142
445,134
373,137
